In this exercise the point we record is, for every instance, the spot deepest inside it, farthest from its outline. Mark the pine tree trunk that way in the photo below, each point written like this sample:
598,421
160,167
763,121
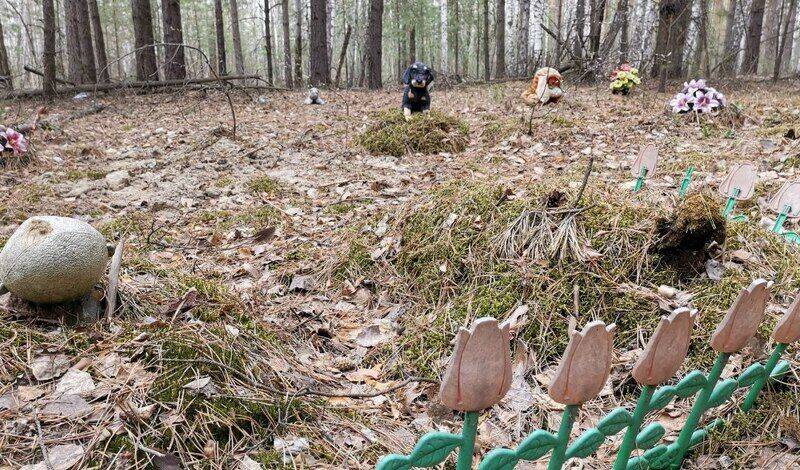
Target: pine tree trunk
752,41
774,11
219,26
374,44
5,69
455,27
99,41
329,30
788,31
87,49
287,46
268,43
412,45
624,45
523,35
559,7
49,49
487,66
786,66
174,55
117,47
298,44
673,22
343,55
74,55
146,66
580,25
730,50
701,49
319,73
595,26
500,37
236,36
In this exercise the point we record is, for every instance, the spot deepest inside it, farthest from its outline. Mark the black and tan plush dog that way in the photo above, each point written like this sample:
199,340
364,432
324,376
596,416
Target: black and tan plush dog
416,98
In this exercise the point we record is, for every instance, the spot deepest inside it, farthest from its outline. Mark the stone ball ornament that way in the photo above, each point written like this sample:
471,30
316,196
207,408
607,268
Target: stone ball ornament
51,259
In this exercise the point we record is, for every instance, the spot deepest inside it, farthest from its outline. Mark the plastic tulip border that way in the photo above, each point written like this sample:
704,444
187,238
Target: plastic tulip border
479,372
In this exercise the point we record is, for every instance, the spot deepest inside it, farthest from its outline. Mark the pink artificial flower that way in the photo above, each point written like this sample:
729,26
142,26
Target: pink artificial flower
705,102
681,103
16,141
692,86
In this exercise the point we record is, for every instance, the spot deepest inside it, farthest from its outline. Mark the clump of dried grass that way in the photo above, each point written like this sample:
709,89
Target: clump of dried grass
430,133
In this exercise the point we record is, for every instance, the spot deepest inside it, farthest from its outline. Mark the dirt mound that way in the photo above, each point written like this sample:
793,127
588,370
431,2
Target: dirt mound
430,133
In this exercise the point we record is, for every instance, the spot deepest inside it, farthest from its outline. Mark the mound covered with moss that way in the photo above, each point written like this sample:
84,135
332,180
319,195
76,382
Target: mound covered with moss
429,133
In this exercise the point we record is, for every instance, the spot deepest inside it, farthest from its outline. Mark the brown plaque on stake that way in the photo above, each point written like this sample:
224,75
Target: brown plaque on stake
647,159
479,373
667,349
742,319
585,365
742,177
788,328
788,195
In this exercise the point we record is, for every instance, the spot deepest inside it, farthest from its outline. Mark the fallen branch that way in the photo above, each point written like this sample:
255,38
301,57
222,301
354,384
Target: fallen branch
41,74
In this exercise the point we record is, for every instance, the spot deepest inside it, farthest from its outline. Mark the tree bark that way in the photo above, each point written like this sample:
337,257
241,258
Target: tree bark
236,36
788,31
87,49
523,36
487,66
455,27
146,66
788,54
500,37
319,73
412,45
174,55
624,45
774,11
5,69
443,62
99,41
701,49
343,55
673,22
580,25
374,44
298,44
329,30
287,46
268,42
595,26
730,50
219,24
752,41
49,49
74,55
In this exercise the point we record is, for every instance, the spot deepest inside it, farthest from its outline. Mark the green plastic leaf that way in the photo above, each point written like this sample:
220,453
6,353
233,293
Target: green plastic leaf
433,449
722,392
585,445
751,375
614,422
691,384
394,462
697,437
536,445
661,458
655,453
781,369
637,463
662,397
649,436
499,459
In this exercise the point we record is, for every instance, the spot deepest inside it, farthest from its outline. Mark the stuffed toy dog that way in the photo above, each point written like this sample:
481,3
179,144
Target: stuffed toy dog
313,97
416,78
545,87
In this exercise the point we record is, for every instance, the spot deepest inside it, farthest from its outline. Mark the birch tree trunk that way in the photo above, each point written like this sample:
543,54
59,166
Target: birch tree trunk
174,55
524,35
236,37
99,41
374,44
319,73
5,69
443,36
500,38
752,41
146,66
287,46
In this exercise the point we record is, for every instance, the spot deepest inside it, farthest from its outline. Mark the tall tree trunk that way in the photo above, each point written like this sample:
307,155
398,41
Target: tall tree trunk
117,48
500,37
523,35
5,69
559,7
701,49
99,41
146,66
730,50
343,55
789,50
219,26
87,49
374,44
788,31
673,22
298,43
595,26
236,36
752,41
774,11
443,59
580,25
455,28
74,55
412,45
329,30
487,66
174,55
49,49
624,15
287,46
268,43
319,73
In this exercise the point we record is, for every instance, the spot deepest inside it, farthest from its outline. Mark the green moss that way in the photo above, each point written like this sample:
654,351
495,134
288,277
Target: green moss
430,133
340,208
264,185
76,175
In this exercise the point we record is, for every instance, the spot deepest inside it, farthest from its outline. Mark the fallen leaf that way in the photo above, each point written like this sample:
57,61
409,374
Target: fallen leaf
62,457
75,382
49,366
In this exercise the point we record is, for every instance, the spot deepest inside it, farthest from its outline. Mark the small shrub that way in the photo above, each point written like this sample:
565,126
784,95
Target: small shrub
428,134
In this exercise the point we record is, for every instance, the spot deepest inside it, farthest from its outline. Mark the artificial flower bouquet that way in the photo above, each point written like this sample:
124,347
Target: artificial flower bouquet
12,141
698,97
624,79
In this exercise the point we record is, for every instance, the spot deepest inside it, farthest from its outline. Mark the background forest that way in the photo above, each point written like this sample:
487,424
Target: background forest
369,42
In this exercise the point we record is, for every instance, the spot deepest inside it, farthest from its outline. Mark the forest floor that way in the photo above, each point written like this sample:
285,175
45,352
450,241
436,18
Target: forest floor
278,304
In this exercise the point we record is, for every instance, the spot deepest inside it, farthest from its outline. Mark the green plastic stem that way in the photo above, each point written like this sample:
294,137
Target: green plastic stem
698,409
640,180
731,203
750,400
781,219
629,441
467,449
558,457
686,181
